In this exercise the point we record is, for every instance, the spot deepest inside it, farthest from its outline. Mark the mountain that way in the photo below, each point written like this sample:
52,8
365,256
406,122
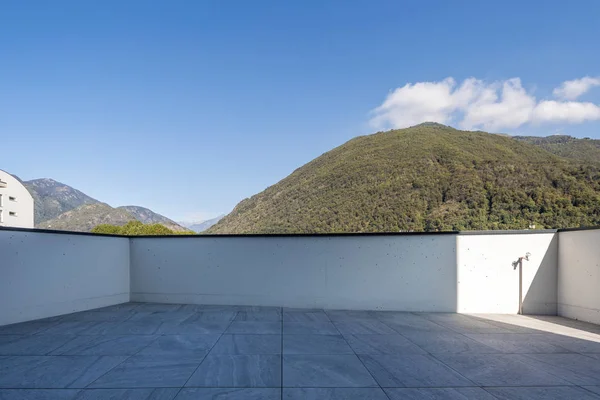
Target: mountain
428,177
202,226
52,198
567,146
147,216
86,217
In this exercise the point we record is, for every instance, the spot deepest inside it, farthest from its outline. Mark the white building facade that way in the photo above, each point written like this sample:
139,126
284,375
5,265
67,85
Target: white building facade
16,203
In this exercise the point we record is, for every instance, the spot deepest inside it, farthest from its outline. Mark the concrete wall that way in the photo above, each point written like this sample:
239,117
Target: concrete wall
16,203
44,274
488,283
411,273
579,275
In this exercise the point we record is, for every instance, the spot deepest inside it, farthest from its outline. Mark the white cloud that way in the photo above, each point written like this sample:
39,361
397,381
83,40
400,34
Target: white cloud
476,104
570,90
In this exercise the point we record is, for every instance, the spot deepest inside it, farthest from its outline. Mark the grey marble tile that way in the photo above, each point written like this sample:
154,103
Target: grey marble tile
27,328
593,389
105,345
578,369
188,346
466,393
325,371
248,344
412,370
518,342
229,394
366,327
131,306
158,307
192,328
499,370
238,371
38,394
351,315
31,345
575,344
211,316
54,371
309,328
149,371
149,316
255,327
128,394
542,393
93,315
462,323
315,344
382,344
79,328
447,342
406,323
303,317
131,328
264,315
333,394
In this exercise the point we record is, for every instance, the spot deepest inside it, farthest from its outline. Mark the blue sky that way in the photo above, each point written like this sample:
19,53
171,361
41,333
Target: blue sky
188,107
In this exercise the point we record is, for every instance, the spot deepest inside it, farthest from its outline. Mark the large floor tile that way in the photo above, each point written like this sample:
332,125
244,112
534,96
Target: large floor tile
238,371
255,327
499,370
28,328
38,394
187,346
158,307
382,344
247,344
132,328
578,369
351,315
325,371
407,322
542,393
412,370
593,389
365,327
264,315
130,306
309,328
79,328
518,343
229,394
104,345
94,315
465,393
211,316
128,394
192,328
31,345
315,344
462,323
333,394
150,316
303,317
149,371
577,345
54,371
447,342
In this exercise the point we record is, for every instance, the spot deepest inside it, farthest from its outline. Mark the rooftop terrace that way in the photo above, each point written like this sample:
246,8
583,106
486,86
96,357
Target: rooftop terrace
420,316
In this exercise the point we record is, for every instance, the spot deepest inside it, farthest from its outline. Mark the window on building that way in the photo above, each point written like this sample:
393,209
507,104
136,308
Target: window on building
12,213
0,200
12,198
1,217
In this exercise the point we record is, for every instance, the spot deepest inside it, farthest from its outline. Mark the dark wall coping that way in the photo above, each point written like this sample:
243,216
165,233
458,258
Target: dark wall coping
462,233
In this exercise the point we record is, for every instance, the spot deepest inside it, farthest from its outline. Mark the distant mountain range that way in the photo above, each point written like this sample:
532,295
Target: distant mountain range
59,206
201,226
431,177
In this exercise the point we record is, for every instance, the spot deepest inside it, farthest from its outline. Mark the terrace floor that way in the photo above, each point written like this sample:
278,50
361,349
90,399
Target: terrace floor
165,351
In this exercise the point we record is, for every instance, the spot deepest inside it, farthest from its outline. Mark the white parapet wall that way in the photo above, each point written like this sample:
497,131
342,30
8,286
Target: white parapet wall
579,275
488,282
45,274
408,272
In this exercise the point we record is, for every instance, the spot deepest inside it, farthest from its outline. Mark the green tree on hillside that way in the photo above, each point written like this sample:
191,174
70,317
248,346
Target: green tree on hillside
136,228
